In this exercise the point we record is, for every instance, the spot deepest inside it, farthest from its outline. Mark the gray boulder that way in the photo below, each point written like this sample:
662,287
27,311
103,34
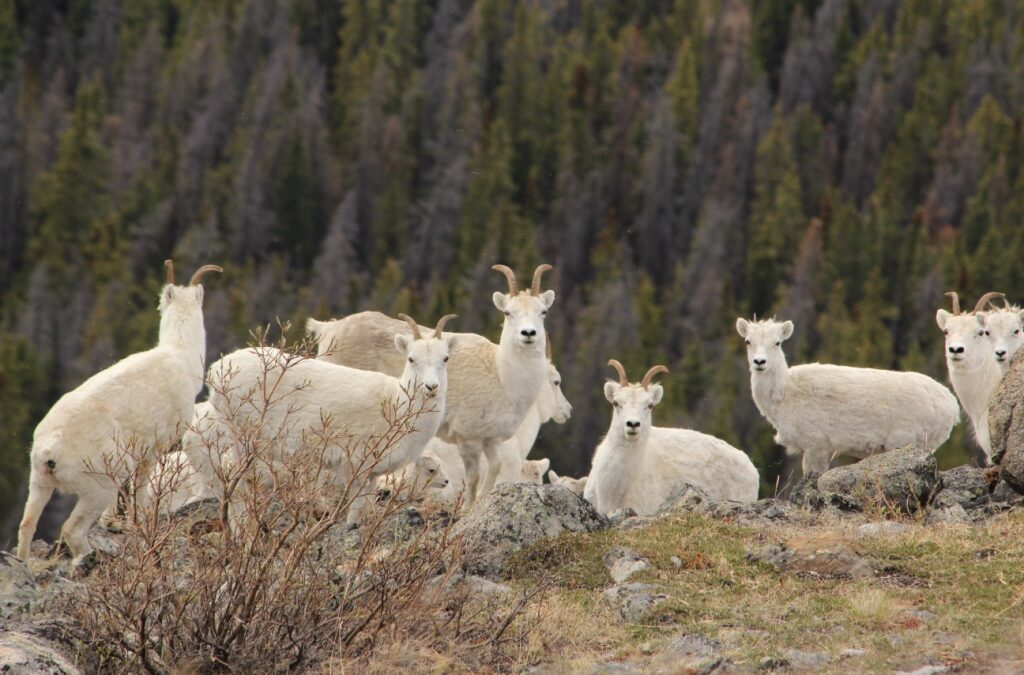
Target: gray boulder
1006,424
634,601
685,498
945,509
21,652
967,485
623,563
904,479
18,589
515,515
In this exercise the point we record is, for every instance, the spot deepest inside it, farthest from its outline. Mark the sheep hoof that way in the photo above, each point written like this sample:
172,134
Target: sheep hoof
351,526
60,549
83,565
113,525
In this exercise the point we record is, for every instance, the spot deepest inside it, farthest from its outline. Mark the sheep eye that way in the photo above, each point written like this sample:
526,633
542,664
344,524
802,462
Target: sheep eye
411,360
982,332
650,406
543,312
987,333
945,332
508,314
446,359
1017,332
615,404
557,383
432,471
778,344
747,341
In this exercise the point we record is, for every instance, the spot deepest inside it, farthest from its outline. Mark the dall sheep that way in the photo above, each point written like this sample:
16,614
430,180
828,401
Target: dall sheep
974,370
514,469
577,485
492,385
824,410
144,400
637,465
1005,326
424,476
310,391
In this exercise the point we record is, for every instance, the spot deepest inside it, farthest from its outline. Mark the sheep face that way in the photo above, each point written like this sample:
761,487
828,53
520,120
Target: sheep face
524,316
534,470
764,342
631,408
427,472
426,363
967,340
1004,331
551,401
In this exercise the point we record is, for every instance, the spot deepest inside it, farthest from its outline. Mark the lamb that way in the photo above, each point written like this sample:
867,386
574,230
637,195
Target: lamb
637,465
1004,327
577,485
425,475
492,386
310,391
144,400
825,410
514,470
973,367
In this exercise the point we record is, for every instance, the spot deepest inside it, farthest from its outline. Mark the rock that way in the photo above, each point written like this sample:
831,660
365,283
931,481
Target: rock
515,515
691,654
924,615
852,653
923,670
683,498
967,485
945,509
676,561
18,589
1006,424
904,478
470,583
27,654
807,660
1004,494
823,555
613,668
619,516
686,498
882,528
622,563
634,601
772,663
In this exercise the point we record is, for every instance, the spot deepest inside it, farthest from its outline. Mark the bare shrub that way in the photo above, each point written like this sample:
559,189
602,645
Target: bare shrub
285,585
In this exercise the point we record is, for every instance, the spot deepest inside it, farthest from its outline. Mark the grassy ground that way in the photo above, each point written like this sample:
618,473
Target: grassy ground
970,578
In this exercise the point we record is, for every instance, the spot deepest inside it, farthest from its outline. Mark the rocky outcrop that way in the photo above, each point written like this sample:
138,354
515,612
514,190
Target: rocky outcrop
27,654
902,479
623,563
1006,424
515,515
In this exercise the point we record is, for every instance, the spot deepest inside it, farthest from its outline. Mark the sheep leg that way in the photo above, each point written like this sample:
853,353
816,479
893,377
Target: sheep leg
88,509
109,520
490,451
203,478
471,451
815,461
39,493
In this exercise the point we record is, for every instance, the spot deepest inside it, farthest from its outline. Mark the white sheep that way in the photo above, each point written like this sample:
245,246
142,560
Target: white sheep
637,465
425,476
492,386
824,410
973,368
1005,326
308,391
514,469
577,485
145,400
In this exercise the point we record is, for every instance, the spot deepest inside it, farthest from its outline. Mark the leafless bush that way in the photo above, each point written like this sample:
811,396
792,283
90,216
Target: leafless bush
287,586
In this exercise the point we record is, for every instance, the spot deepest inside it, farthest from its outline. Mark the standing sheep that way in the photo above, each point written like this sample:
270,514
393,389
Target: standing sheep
144,399
492,385
973,366
637,465
824,410
309,391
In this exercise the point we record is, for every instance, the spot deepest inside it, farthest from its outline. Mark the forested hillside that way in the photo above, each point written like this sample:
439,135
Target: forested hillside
840,163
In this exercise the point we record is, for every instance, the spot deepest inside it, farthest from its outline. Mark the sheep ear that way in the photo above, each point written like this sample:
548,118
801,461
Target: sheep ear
199,294
451,341
941,317
787,330
552,476
544,464
657,393
610,389
548,298
741,327
980,318
313,327
402,343
500,300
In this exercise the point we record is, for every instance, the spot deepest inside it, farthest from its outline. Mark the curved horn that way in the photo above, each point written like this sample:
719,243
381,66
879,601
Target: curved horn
623,380
956,301
646,382
537,274
547,346
194,281
169,266
992,295
441,322
412,324
513,286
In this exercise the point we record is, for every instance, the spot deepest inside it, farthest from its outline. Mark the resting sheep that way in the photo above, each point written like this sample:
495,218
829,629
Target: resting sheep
309,391
637,465
823,410
974,369
492,386
577,485
144,400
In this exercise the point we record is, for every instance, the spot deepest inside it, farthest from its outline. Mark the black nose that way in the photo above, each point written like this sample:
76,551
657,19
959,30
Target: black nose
633,424
430,387
760,362
1000,352
528,332
956,350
